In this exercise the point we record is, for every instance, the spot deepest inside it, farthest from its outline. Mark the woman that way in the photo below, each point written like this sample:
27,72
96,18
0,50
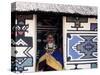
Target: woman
51,58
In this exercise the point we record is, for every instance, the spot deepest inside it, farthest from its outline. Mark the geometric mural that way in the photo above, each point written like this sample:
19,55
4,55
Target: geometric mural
21,45
88,47
81,47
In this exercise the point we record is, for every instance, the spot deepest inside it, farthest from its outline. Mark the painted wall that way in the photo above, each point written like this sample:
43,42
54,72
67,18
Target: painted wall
24,44
80,42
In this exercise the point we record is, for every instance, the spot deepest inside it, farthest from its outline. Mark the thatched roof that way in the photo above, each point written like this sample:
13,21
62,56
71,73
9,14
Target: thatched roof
59,8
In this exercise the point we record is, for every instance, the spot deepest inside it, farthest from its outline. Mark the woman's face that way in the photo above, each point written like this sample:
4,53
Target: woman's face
50,38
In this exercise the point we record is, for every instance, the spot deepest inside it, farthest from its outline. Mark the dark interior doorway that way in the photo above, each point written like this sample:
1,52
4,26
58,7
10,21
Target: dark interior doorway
48,23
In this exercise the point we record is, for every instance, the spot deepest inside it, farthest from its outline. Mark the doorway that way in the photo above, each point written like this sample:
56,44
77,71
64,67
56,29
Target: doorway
49,24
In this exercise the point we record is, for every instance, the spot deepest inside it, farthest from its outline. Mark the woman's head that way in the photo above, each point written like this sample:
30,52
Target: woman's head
50,38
